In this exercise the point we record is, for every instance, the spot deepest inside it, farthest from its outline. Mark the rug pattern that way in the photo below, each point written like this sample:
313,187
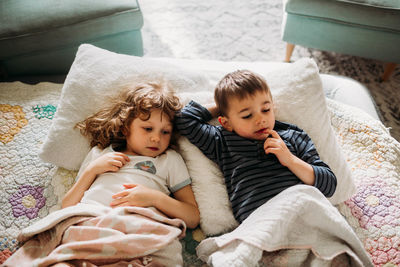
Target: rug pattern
251,31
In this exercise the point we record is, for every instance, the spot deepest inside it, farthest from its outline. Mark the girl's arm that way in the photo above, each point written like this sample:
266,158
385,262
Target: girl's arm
107,162
189,212
75,194
183,206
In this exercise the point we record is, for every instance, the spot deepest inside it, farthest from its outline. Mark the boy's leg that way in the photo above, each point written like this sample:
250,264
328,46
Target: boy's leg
237,253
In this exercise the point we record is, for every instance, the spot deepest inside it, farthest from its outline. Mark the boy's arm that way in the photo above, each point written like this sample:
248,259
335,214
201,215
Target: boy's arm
306,165
212,108
325,179
275,145
191,122
303,170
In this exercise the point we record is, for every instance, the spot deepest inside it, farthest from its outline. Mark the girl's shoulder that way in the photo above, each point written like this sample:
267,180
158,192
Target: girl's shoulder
173,161
96,151
170,153
170,156
99,151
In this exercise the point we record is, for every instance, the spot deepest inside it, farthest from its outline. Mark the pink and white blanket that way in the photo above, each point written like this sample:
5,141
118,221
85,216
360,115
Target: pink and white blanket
97,235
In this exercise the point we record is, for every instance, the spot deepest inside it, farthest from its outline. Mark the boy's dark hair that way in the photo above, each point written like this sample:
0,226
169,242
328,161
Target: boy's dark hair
241,84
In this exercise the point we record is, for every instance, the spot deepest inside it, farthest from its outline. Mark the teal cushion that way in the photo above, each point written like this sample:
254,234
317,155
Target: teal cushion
382,14
342,38
376,3
34,29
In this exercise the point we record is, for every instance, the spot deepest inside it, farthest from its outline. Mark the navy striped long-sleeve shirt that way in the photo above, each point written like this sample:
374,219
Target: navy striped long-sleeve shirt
251,176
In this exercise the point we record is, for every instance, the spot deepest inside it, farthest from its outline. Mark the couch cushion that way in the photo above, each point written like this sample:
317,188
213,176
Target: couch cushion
361,13
42,36
19,17
62,22
376,3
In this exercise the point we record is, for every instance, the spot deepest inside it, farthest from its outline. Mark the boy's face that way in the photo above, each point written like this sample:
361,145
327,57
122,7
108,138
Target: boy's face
250,117
149,137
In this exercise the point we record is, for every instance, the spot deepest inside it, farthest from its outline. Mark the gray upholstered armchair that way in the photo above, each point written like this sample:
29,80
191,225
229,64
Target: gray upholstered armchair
365,28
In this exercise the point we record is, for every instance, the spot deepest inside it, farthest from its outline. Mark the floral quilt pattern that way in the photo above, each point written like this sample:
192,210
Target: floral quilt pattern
31,188
374,157
26,191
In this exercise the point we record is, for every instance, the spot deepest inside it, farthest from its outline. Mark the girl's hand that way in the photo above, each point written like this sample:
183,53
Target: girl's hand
110,162
135,195
275,145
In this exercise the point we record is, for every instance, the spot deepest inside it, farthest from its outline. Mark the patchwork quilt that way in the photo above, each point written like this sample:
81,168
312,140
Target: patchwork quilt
31,189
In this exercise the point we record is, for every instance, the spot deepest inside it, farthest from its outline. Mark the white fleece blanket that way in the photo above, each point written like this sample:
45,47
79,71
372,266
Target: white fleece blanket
300,224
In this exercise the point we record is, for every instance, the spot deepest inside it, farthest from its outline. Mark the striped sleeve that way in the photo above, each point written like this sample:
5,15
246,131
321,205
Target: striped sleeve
191,122
325,179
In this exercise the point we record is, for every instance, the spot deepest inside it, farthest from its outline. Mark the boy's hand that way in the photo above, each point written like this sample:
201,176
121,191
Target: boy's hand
110,162
135,195
275,145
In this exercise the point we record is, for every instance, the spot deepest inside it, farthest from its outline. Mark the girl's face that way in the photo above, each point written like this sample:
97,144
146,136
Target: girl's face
149,137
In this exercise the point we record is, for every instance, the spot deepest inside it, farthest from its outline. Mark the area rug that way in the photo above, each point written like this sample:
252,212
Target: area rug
251,31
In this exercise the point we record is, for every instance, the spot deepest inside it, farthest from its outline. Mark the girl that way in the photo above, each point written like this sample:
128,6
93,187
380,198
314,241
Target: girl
131,138
115,212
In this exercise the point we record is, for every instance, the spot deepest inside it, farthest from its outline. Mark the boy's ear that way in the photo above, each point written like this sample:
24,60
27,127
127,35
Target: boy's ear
224,121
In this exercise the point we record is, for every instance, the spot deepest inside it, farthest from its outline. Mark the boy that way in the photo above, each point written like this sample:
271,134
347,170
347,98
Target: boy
259,156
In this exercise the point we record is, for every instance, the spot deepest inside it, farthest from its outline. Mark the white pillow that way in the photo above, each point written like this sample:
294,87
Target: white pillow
299,99
96,73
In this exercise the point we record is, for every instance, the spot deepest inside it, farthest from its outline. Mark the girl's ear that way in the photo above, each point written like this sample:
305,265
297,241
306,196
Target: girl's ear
224,121
124,131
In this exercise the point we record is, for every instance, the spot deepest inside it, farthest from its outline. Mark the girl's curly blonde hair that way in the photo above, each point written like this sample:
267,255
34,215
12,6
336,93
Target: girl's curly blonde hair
106,126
